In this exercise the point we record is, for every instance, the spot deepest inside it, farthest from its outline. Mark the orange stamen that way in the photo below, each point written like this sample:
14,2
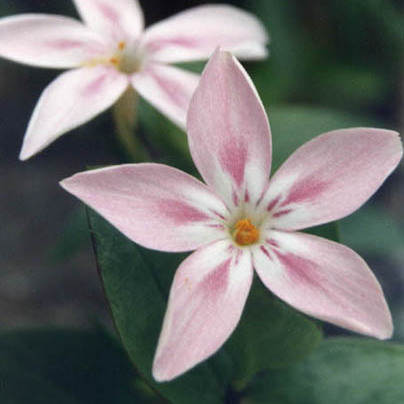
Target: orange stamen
114,61
121,45
245,233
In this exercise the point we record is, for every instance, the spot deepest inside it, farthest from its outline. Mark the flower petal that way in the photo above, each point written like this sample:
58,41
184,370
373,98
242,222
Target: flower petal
331,176
168,89
324,279
228,131
118,19
206,300
72,99
194,34
48,41
154,205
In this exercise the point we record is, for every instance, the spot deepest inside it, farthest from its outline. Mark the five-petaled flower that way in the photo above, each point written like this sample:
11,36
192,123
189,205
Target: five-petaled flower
240,221
112,52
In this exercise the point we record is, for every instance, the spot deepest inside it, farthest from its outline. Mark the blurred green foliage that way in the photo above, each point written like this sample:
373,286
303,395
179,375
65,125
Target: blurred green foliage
342,370
341,54
67,367
371,230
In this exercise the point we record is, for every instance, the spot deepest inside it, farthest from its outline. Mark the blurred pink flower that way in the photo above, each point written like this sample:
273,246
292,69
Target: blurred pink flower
239,221
113,51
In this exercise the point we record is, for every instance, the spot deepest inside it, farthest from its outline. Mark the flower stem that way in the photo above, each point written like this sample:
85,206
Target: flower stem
125,117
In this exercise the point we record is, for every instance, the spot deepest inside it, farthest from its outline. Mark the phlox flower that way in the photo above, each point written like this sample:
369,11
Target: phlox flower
239,221
112,51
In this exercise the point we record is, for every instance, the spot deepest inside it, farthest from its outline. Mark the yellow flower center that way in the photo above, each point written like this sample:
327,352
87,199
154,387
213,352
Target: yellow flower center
245,233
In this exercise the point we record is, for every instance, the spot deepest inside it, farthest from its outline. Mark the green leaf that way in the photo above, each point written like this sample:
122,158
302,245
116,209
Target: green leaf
270,335
64,366
330,231
372,230
137,291
25,387
342,370
194,67
73,238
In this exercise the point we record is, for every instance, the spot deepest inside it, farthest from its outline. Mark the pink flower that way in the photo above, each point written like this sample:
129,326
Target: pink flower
112,51
239,221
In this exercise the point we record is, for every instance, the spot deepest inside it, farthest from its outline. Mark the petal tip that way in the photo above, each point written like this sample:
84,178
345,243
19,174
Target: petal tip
218,55
395,144
74,184
159,376
385,335
23,156
399,141
68,184
64,184
163,373
26,152
387,331
381,327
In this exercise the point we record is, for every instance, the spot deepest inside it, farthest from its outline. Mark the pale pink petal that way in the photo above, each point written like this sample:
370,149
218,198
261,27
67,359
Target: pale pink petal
194,34
206,300
168,89
72,99
117,19
325,280
330,177
48,41
228,131
154,205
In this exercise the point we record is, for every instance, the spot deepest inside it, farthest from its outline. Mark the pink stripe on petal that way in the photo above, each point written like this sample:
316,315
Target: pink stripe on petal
154,205
304,272
117,20
233,158
194,34
64,44
180,212
219,215
271,242
235,198
206,300
331,176
306,190
155,46
109,13
228,131
271,205
94,87
168,89
215,283
49,41
217,226
325,280
71,100
280,213
266,252
173,90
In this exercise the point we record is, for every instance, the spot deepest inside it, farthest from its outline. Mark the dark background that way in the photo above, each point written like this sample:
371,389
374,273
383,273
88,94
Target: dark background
343,56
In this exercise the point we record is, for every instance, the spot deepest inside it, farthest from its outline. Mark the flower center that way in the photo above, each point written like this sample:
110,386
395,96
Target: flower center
127,59
245,233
